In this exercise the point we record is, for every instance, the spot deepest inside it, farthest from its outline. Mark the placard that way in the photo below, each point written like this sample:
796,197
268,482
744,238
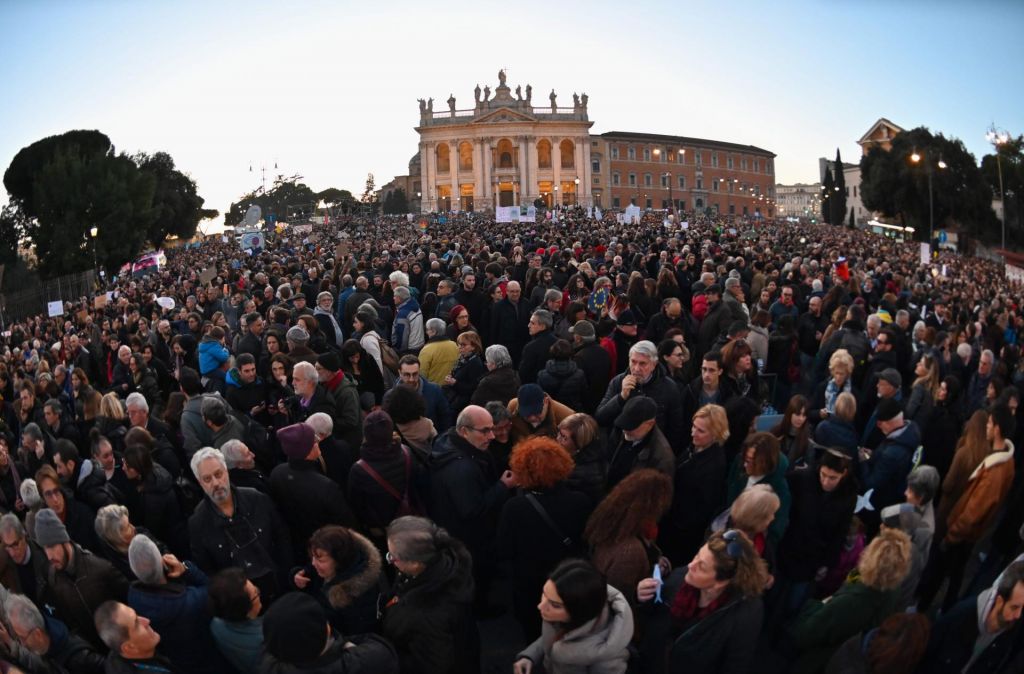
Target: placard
926,253
341,250
55,308
207,275
99,301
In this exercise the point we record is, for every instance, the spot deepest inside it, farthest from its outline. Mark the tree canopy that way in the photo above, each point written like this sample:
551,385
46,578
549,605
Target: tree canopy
288,199
896,186
62,186
1011,163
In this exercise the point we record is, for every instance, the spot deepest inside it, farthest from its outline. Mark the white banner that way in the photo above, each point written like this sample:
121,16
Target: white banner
55,308
251,240
506,213
926,253
1013,273
302,229
528,214
632,213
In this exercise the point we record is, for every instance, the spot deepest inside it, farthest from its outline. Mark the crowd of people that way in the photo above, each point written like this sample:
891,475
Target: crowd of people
660,446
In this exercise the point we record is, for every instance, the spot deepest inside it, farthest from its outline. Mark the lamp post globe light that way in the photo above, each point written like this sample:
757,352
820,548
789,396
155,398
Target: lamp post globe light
998,139
917,158
577,183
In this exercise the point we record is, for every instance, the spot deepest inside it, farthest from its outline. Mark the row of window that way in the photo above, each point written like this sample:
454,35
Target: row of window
680,205
505,155
717,185
696,157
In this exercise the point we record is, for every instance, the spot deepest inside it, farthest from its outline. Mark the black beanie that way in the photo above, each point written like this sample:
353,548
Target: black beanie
295,629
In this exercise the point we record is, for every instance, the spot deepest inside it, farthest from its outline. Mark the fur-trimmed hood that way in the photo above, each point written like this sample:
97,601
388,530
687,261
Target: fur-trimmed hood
352,583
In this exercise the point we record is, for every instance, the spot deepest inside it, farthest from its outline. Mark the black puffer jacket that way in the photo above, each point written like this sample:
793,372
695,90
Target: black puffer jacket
370,655
350,598
159,510
564,381
429,618
818,524
590,475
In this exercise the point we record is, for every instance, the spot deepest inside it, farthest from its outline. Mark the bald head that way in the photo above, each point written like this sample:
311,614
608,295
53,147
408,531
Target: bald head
475,426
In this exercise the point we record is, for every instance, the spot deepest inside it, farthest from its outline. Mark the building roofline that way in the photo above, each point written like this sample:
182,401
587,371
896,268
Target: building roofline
684,140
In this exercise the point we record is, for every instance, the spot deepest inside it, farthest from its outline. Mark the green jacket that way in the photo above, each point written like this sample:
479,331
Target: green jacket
823,626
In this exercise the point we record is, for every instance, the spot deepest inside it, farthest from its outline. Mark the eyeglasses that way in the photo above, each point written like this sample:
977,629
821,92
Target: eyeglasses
733,546
15,545
487,430
51,493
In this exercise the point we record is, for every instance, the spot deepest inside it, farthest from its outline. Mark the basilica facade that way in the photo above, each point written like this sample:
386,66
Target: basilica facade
507,149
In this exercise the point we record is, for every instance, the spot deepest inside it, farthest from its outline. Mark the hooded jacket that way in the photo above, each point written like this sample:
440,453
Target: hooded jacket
350,598
776,480
564,381
212,354
599,646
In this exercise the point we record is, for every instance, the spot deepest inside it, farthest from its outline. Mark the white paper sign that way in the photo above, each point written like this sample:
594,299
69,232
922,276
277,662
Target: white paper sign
926,253
55,308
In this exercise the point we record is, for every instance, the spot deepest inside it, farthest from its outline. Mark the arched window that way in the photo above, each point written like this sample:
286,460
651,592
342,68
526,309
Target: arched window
505,154
443,159
465,156
568,150
544,154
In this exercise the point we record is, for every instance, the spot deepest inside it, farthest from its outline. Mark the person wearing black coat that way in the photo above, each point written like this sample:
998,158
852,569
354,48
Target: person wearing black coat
822,501
157,507
595,363
308,499
562,379
253,537
501,383
527,538
538,349
428,613
940,432
373,503
465,376
650,382
509,320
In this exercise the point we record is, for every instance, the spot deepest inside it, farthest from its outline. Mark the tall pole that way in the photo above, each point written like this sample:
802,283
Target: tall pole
931,213
1002,203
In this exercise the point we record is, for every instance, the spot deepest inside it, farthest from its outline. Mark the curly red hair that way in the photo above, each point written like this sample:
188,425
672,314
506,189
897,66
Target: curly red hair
539,461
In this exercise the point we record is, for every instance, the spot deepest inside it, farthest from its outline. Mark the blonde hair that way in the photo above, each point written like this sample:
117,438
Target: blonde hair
930,379
718,422
111,407
841,360
754,509
846,406
886,561
582,427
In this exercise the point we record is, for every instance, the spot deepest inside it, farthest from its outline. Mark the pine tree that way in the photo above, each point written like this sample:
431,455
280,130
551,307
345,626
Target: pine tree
837,198
826,196
368,193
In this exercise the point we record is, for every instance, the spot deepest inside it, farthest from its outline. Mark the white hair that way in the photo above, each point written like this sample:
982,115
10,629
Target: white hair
321,423
399,278
232,451
307,371
138,401
145,560
644,348
436,326
498,355
964,350
204,454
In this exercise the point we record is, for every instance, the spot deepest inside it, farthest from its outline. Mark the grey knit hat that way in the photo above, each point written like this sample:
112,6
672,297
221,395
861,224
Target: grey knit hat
297,334
49,529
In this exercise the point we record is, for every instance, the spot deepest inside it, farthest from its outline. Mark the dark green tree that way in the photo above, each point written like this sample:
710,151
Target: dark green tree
178,209
285,200
11,233
896,186
395,203
826,195
853,220
19,178
1011,163
369,196
72,194
837,197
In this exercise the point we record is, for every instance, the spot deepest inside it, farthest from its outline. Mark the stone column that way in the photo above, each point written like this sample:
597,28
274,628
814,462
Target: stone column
556,168
534,169
485,147
586,177
424,176
430,177
524,174
453,164
478,174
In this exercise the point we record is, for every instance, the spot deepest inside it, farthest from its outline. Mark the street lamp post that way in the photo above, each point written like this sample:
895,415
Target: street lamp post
577,182
556,197
671,202
93,232
916,158
998,138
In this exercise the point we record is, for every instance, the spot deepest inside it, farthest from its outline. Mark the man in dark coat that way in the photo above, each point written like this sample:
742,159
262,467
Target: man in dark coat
537,352
470,297
509,319
252,341
308,499
671,316
84,478
466,490
132,642
77,581
593,360
715,323
644,377
981,633
235,526
47,640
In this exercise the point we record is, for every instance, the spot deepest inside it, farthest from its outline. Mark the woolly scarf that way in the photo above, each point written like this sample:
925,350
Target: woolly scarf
832,393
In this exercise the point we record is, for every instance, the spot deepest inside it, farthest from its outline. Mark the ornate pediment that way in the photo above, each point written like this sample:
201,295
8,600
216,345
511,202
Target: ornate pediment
504,115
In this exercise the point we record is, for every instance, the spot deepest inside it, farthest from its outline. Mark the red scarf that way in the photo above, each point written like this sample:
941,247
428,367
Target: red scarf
686,605
335,381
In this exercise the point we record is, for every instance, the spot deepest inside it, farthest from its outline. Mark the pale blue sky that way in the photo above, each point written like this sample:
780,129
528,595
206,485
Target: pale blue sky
329,89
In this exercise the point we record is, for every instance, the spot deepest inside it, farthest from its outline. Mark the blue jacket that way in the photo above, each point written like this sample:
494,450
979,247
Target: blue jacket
180,616
886,471
212,354
408,333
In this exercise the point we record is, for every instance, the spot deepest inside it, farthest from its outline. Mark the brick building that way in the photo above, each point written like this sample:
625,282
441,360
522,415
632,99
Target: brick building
653,171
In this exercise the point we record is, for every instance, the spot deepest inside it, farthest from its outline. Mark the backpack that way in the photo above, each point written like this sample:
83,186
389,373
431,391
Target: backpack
388,356
405,504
